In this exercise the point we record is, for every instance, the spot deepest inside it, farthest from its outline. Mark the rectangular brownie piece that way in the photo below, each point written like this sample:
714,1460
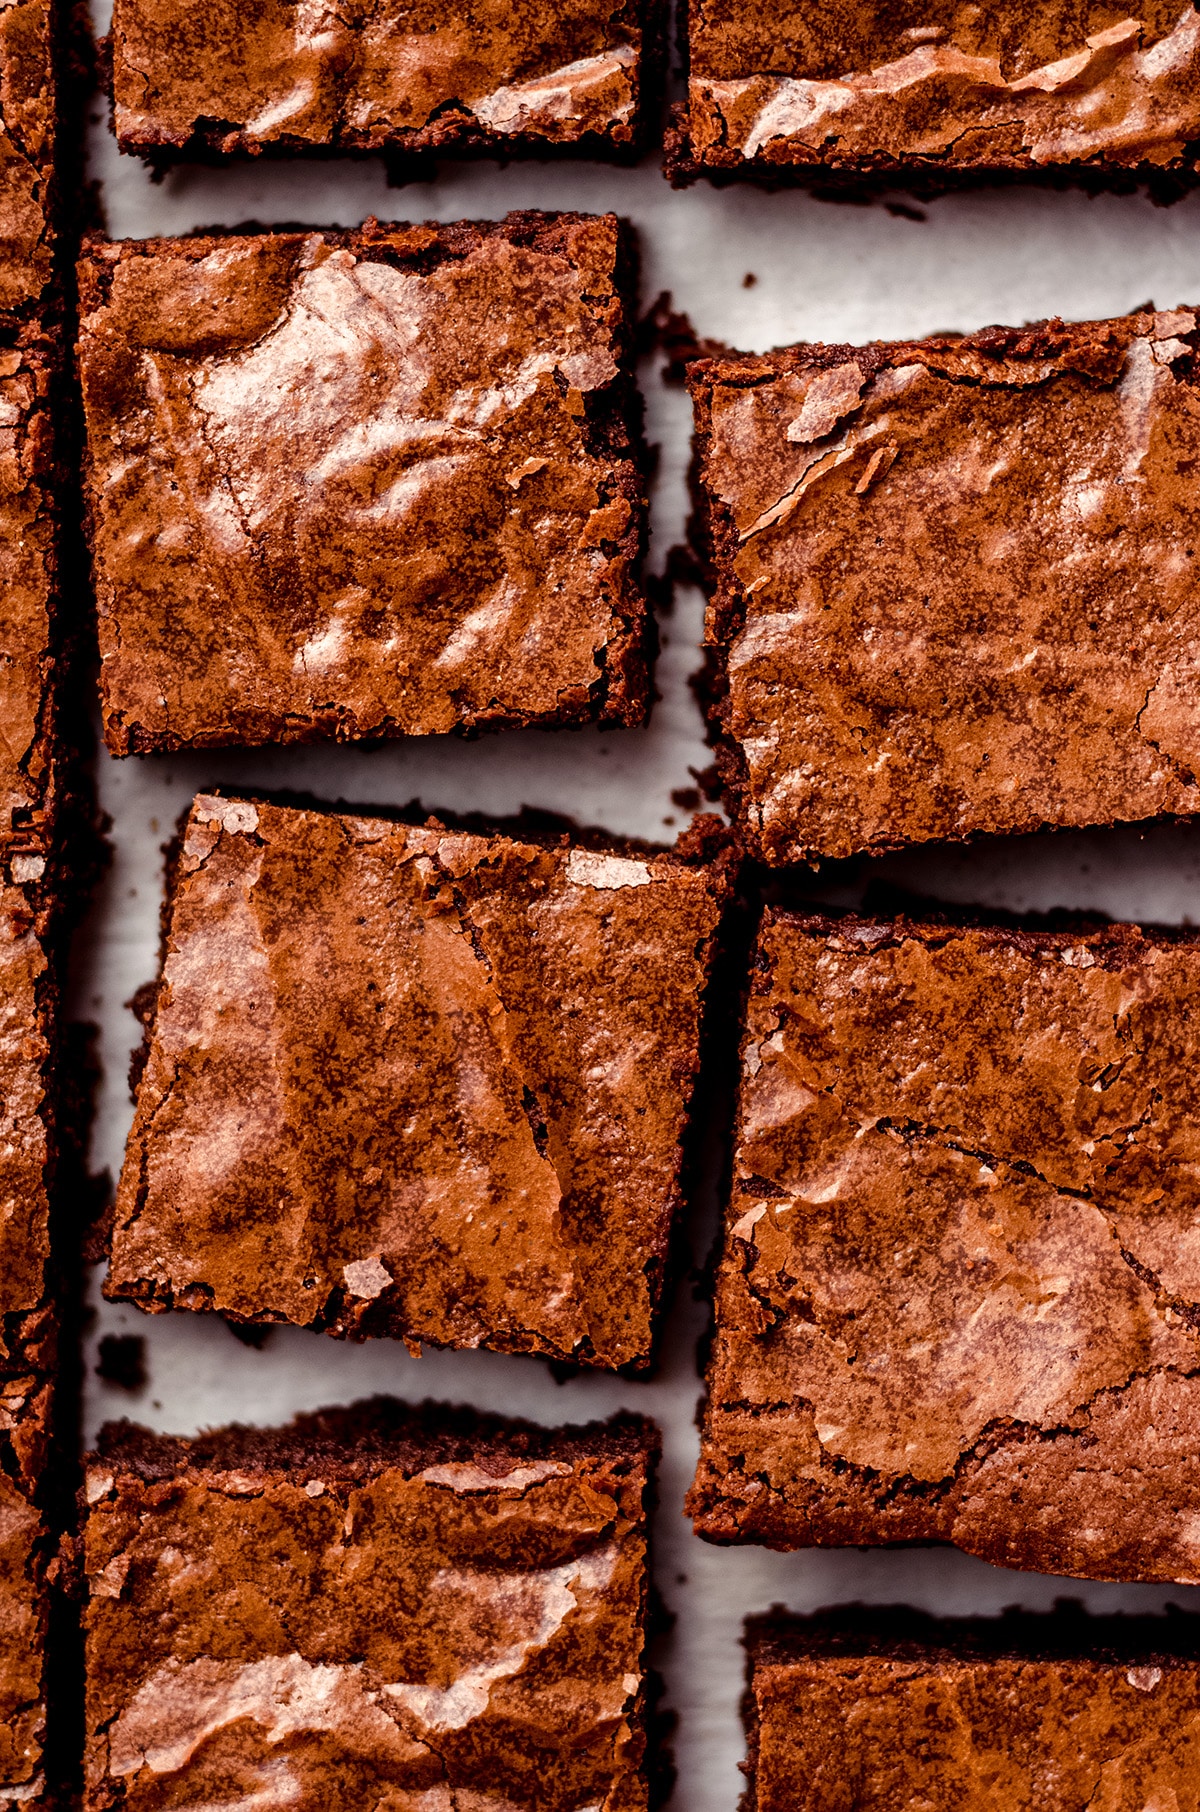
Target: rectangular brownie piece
29,189
935,95
547,76
959,1298
365,484
27,1120
28,1544
954,582
371,1607
890,1709
416,1081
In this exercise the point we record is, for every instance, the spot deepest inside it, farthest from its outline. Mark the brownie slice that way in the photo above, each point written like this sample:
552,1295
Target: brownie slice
891,1711
548,76
417,1081
954,583
934,96
959,1298
27,1119
27,1547
365,484
374,1606
29,188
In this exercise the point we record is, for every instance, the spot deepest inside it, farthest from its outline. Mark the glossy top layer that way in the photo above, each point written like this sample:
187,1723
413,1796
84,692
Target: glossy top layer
363,484
991,87
28,129
938,1720
955,582
429,76
960,1294
420,1635
418,1082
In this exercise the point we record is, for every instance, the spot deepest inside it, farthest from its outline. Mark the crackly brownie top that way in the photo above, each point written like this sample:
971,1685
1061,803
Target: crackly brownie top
418,1081
28,120
368,74
1020,1715
29,577
1036,84
956,582
24,1052
360,484
964,1203
24,1403
416,1629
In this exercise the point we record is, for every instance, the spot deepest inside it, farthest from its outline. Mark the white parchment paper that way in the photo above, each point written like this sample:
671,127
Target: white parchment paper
818,271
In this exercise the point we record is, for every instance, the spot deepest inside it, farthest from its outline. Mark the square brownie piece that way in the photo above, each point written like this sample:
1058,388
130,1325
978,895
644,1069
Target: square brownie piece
371,1607
953,583
890,1709
27,1141
27,1548
935,96
30,31
438,78
365,484
959,1298
416,1081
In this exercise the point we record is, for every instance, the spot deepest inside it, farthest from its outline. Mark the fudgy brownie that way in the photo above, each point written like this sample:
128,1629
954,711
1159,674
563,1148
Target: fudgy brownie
417,1081
548,76
891,1711
938,94
29,199
365,484
26,1121
959,1298
27,1548
375,1606
954,582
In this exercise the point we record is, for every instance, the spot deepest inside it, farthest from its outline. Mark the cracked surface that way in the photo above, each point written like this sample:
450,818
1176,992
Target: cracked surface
953,583
376,1607
25,1551
364,484
373,74
960,1293
28,127
898,1712
24,1115
416,1081
941,87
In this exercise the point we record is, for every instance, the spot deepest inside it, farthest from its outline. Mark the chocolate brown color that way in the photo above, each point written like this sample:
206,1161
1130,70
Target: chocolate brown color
939,93
416,1081
373,1607
26,1120
26,1552
29,201
891,1711
959,1298
364,484
954,583
434,77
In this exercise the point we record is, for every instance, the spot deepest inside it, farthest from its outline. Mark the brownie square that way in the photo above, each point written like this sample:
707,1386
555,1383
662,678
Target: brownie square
27,1545
889,1709
29,198
852,95
547,76
959,1298
416,1081
372,1607
26,1120
365,484
953,583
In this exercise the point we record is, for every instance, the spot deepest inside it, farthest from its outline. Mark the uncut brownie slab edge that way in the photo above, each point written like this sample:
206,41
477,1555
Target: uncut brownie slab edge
420,1604
410,1080
360,485
891,1708
411,81
952,583
959,1294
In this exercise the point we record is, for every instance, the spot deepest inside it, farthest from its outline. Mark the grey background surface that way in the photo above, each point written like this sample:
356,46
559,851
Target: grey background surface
820,272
